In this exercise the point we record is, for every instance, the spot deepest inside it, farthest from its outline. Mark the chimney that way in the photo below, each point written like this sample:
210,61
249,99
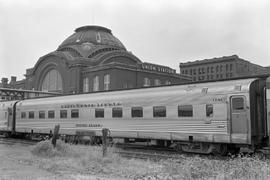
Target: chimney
13,79
4,82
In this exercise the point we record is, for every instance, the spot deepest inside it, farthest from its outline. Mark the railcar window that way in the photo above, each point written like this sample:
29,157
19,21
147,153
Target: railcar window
238,103
51,114
23,115
185,111
99,113
10,112
41,114
209,110
63,113
136,112
31,115
74,113
117,112
159,111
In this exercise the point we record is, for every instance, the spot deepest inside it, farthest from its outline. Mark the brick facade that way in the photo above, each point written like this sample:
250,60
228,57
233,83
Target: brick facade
91,52
226,67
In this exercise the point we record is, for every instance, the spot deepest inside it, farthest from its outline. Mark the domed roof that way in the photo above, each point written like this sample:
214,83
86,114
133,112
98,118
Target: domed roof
93,35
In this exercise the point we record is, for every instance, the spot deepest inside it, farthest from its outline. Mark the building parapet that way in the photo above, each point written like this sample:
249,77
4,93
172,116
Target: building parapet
209,61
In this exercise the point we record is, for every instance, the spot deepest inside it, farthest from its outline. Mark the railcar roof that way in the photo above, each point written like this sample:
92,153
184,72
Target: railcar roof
219,87
7,103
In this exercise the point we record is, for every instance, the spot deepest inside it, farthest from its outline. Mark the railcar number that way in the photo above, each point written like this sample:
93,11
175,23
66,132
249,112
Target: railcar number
219,99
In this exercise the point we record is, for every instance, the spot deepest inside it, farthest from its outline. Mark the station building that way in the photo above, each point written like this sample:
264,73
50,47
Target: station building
225,67
93,59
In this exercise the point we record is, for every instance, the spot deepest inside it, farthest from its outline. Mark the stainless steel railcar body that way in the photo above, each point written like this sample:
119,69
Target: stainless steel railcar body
224,112
229,123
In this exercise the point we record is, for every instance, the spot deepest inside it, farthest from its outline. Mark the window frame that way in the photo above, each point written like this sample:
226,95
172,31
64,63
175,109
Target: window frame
115,111
107,81
232,105
157,82
73,112
207,106
52,76
157,114
136,109
23,115
49,113
99,110
184,110
63,111
168,82
96,83
30,113
85,84
41,114
146,82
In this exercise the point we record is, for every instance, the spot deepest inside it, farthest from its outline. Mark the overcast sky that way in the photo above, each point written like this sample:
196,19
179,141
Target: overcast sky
165,32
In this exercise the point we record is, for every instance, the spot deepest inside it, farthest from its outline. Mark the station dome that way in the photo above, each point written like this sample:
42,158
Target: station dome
93,35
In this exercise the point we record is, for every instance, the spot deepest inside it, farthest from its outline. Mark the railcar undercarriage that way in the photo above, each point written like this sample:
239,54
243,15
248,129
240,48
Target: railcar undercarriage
179,146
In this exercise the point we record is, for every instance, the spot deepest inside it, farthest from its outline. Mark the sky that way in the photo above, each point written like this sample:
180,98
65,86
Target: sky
165,32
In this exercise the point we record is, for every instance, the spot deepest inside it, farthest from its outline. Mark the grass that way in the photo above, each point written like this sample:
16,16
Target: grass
230,168
46,149
88,160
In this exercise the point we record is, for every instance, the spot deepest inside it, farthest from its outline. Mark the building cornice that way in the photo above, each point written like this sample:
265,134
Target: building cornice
210,61
131,68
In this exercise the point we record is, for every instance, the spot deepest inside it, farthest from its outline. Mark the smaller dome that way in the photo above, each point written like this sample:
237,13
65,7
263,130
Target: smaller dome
98,28
96,35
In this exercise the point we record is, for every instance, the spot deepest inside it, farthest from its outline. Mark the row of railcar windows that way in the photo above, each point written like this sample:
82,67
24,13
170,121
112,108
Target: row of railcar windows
117,112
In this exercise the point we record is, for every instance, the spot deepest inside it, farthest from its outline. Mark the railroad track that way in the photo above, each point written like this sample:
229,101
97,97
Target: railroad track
12,141
153,149
146,152
157,153
144,155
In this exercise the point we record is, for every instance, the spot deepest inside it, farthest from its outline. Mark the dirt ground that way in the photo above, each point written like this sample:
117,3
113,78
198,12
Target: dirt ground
70,162
14,166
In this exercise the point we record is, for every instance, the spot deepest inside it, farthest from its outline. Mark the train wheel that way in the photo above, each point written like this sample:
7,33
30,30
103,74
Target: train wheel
7,134
222,149
178,148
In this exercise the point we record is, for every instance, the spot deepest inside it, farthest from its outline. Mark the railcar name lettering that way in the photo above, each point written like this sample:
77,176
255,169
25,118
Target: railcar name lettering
88,125
91,105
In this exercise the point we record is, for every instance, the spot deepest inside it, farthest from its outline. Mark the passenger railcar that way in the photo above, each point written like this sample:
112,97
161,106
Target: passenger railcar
7,118
201,117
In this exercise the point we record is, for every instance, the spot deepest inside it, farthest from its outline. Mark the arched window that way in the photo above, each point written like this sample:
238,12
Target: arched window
168,82
146,82
157,82
86,84
106,82
52,81
96,83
